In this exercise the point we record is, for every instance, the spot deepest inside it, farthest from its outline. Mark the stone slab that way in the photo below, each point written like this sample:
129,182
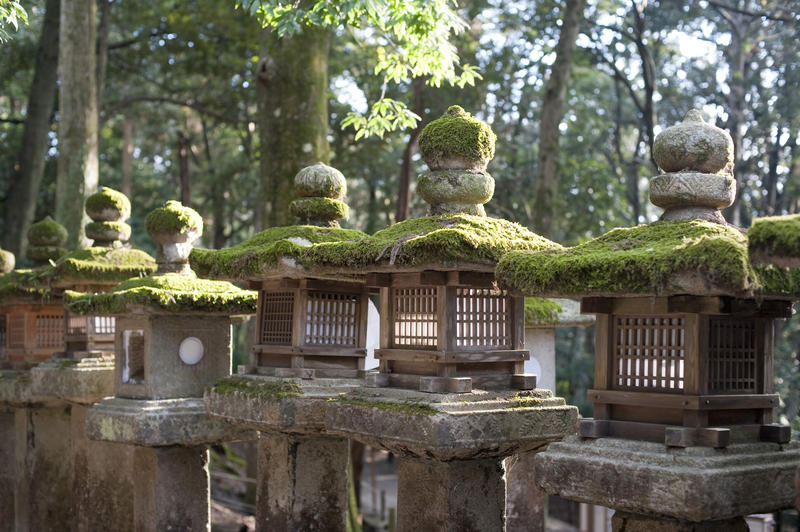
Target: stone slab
452,426
693,484
84,381
16,392
157,423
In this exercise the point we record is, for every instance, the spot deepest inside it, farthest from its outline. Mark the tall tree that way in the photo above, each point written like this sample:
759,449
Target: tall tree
21,202
77,129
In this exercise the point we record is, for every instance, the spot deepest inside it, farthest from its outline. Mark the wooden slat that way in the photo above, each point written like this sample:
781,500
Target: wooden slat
597,305
518,323
280,284
343,287
697,437
379,279
775,433
695,304
472,279
411,355
686,402
309,350
446,316
510,355
603,346
695,341
386,318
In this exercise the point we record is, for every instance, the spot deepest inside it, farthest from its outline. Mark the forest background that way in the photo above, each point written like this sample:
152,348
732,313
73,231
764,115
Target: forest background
193,100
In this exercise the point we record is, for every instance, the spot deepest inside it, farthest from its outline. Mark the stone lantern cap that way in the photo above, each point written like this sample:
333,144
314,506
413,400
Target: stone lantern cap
108,210
174,228
45,240
321,189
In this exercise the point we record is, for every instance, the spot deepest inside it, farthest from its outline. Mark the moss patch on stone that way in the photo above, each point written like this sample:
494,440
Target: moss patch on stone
47,232
319,209
107,231
262,251
457,133
24,284
169,292
775,235
173,218
44,254
445,240
523,400
541,311
108,199
406,407
270,390
779,281
101,265
647,259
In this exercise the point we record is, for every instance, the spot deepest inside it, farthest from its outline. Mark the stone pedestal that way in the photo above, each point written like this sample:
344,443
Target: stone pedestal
302,483
526,503
450,496
627,522
171,489
7,466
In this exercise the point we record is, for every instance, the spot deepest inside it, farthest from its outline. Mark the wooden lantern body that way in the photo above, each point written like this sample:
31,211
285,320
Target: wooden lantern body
30,332
445,331
87,334
684,370
310,328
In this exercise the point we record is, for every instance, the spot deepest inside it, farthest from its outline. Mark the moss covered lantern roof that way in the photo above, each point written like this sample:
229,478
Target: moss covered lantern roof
24,286
775,240
684,257
166,293
99,266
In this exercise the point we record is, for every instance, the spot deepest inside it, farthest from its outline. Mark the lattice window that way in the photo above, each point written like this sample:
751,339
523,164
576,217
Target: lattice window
76,325
732,356
415,317
3,337
483,318
277,309
133,348
49,330
16,331
649,353
332,318
101,325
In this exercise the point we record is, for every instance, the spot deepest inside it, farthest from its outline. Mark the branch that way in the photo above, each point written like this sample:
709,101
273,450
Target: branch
156,32
121,104
12,120
762,14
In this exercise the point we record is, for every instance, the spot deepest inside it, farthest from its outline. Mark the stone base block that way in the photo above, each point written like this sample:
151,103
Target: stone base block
84,381
626,522
159,423
452,496
695,484
526,503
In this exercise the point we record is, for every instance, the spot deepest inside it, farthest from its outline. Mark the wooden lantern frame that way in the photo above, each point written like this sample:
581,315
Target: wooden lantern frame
88,334
685,370
310,328
31,332
445,331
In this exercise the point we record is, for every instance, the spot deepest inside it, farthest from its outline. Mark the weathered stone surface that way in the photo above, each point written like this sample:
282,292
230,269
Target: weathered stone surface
172,489
302,483
158,423
693,484
448,186
102,480
526,502
7,466
692,189
320,180
7,261
15,390
451,426
459,496
627,522
173,228
694,145
85,381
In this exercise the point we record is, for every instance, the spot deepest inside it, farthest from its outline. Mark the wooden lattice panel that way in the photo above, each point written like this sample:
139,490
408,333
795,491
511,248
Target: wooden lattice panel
277,309
101,325
732,356
415,317
649,353
483,318
332,318
49,330
76,325
16,331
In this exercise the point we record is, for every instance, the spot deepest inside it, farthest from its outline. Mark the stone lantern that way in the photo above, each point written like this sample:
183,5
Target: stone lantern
172,340
683,350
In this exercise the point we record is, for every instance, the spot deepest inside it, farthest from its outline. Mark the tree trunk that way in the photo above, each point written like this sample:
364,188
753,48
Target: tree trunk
77,129
183,169
102,48
552,113
404,180
126,162
21,203
293,115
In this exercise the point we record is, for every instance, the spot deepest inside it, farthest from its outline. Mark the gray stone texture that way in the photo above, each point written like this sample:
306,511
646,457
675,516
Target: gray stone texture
86,381
43,499
694,189
694,145
7,466
302,483
171,489
458,496
526,502
693,484
102,480
627,522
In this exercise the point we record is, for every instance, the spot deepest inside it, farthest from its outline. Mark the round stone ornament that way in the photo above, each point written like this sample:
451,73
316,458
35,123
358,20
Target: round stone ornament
321,181
694,145
457,140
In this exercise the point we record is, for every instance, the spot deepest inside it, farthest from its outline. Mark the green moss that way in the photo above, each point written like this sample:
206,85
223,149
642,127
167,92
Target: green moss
47,232
436,240
24,284
170,292
524,400
261,252
68,363
775,235
779,281
101,265
541,311
173,218
646,259
457,133
108,199
44,254
406,407
105,231
309,209
270,390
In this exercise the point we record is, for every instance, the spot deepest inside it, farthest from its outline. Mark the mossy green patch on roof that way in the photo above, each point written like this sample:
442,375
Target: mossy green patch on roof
47,232
775,235
170,292
445,240
319,209
261,252
541,311
659,258
413,408
173,218
24,284
270,390
101,265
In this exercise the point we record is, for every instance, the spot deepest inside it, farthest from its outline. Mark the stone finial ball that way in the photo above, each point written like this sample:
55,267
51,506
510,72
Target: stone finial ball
108,205
456,141
47,232
320,181
694,145
174,222
7,261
